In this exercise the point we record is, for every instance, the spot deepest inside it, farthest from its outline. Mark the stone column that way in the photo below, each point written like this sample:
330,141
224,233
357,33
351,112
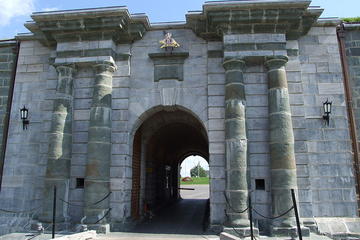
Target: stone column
236,147
282,154
60,145
97,179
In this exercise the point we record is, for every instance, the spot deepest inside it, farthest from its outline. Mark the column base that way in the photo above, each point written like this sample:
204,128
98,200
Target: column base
289,232
241,232
61,226
99,228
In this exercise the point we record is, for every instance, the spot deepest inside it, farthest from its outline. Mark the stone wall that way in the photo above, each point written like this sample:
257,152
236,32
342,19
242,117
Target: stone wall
352,47
326,178
352,52
257,119
7,61
147,95
216,132
24,167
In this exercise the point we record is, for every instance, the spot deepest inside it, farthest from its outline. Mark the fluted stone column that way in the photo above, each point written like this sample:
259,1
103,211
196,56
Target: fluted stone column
60,145
236,146
282,154
97,179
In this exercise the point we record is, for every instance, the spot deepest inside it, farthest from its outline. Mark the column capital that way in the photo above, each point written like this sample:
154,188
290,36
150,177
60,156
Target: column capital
104,66
65,69
276,62
66,74
234,64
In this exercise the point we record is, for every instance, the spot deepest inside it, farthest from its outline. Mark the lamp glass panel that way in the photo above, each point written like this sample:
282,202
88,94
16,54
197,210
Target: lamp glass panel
24,113
327,107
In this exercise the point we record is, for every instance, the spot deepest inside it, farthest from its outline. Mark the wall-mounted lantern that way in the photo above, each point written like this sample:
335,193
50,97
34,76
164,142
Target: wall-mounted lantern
24,114
327,111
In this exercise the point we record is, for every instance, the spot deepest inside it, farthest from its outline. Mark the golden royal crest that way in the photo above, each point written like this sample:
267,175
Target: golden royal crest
168,41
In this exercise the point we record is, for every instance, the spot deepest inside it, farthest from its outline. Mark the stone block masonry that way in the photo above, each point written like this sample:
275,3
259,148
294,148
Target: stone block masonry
32,146
216,112
325,155
8,56
97,181
244,89
60,143
352,48
236,145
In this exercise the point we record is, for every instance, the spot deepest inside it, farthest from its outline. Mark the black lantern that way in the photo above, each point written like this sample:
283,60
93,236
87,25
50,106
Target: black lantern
24,113
327,111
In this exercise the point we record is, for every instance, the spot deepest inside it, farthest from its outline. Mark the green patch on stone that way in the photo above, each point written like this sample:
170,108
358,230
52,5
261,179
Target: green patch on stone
292,52
240,47
215,54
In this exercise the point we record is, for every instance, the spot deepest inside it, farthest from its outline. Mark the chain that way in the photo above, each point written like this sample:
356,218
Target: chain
281,215
26,211
93,204
227,201
108,211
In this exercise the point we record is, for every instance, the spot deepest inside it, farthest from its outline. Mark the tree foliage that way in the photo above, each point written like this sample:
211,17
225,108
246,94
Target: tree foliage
351,19
198,171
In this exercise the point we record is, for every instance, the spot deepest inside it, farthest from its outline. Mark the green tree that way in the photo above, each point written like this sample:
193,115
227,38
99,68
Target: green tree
351,19
198,171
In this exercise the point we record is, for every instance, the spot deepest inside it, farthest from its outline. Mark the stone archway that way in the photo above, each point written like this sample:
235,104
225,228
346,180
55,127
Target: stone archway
159,144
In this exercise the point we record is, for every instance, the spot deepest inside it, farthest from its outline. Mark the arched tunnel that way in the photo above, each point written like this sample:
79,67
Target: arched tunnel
160,144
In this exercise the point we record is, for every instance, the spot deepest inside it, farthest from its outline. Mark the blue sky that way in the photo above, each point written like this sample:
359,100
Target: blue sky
14,13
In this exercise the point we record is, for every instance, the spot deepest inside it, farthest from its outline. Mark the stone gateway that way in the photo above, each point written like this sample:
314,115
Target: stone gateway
116,104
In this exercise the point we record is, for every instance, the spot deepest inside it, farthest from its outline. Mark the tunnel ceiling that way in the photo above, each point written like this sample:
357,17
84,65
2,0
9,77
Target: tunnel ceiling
178,139
174,135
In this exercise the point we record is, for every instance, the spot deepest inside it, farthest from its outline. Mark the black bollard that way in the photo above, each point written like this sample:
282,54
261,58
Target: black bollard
54,213
296,213
251,219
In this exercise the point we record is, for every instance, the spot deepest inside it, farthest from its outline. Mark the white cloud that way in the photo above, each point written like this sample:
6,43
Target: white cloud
48,9
14,8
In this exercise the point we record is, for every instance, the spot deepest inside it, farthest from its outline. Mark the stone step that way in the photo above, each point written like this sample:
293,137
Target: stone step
149,236
141,236
313,236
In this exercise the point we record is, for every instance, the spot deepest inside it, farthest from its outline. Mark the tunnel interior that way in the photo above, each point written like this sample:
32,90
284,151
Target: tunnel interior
160,144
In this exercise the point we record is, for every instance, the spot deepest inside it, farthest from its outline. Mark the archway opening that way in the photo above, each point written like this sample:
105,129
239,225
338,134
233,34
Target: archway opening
160,145
194,178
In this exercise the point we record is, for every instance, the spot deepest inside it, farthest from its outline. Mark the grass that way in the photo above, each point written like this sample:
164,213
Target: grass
200,180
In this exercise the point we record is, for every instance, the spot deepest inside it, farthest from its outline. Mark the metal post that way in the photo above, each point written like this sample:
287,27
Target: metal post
296,213
54,214
251,219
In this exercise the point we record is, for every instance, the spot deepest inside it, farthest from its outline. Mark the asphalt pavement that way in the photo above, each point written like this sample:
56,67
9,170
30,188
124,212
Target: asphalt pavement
183,219
201,191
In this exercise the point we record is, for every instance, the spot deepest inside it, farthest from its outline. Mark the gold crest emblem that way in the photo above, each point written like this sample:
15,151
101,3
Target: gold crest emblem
169,42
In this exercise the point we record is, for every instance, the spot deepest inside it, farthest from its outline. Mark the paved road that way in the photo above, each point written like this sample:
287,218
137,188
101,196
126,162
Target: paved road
201,191
181,220
185,216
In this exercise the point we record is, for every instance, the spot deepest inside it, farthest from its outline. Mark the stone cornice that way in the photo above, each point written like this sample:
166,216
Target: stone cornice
293,18
328,22
7,43
352,26
88,24
171,55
